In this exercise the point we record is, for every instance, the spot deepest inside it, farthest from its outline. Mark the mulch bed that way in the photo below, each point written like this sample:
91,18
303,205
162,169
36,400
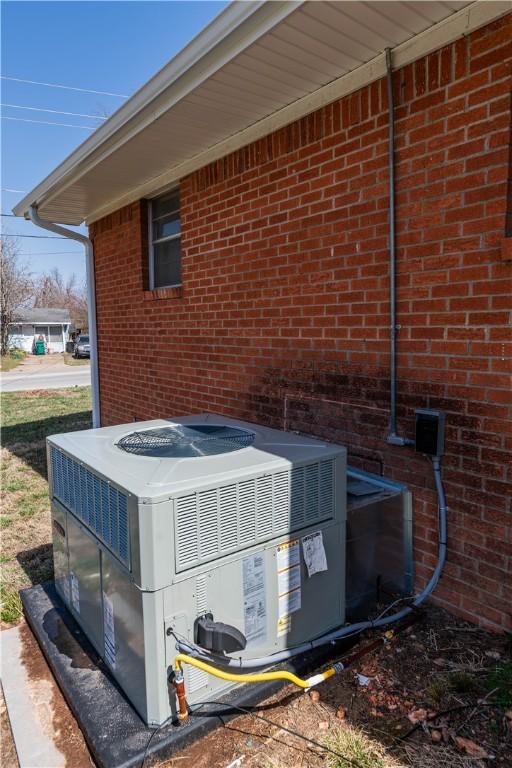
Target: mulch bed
438,696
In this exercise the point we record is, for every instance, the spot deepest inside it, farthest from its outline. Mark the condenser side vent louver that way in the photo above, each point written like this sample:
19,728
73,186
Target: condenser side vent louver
97,504
213,523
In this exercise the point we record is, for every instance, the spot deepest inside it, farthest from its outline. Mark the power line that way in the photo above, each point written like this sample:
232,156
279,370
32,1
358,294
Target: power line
16,191
53,111
52,253
47,122
66,87
38,237
9,214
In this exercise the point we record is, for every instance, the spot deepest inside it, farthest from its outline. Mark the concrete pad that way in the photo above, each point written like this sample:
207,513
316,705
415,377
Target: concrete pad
44,731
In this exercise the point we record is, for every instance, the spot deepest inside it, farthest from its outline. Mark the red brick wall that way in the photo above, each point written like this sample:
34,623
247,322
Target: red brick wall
283,315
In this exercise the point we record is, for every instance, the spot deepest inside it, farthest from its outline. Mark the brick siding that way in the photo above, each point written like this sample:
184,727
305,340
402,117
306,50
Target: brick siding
283,317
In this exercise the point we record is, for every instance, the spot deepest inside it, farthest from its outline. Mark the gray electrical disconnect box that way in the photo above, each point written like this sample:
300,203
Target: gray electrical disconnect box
158,523
429,437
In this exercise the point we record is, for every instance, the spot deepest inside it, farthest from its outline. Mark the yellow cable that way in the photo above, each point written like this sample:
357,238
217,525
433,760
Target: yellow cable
257,677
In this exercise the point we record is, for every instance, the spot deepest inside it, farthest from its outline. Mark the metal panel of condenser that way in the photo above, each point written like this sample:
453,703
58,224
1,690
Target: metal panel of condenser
379,542
84,586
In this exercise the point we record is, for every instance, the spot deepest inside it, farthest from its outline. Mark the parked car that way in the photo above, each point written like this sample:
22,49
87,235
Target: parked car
82,347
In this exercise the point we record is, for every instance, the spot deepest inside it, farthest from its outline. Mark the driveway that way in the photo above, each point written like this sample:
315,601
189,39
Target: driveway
46,372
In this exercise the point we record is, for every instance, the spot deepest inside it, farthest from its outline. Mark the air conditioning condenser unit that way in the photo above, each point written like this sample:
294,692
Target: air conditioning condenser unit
159,526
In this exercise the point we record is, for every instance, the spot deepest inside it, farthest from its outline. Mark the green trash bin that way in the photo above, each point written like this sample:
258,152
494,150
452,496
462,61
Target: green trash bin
40,350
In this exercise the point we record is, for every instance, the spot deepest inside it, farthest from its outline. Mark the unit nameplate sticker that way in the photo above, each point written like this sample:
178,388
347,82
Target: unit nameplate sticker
75,591
108,631
255,609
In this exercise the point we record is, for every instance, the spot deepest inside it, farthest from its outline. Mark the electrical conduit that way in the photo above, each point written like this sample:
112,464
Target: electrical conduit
393,438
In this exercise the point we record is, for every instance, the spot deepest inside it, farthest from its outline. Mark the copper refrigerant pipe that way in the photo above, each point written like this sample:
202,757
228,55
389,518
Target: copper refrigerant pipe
179,685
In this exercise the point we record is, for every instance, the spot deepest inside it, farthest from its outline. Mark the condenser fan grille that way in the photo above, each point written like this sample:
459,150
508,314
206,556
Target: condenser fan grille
186,441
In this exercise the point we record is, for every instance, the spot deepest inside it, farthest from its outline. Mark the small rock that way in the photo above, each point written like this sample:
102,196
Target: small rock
341,713
236,763
417,715
493,654
314,695
470,747
323,725
436,736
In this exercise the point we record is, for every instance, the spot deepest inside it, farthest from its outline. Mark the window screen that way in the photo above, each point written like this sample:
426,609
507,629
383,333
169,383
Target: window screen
165,251
55,333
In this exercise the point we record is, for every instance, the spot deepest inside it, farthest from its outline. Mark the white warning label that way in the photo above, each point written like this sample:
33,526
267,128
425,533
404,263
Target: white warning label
314,553
284,625
75,591
288,582
108,631
255,610
66,585
289,603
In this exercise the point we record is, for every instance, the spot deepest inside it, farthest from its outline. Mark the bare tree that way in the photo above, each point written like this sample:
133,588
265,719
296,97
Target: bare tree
16,288
54,291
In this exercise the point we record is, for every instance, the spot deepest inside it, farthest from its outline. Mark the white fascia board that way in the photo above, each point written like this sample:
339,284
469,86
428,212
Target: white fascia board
461,23
231,32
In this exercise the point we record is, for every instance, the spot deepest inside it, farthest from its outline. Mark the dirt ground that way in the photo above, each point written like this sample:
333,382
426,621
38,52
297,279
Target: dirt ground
439,695
439,664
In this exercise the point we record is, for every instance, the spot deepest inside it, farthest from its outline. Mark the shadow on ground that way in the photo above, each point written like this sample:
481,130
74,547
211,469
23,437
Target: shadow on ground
27,440
37,563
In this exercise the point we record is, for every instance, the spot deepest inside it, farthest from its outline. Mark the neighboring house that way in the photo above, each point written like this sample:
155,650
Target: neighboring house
51,323
239,208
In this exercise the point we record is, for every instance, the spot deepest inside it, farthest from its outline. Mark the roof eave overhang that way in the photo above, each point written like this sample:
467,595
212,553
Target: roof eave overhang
229,33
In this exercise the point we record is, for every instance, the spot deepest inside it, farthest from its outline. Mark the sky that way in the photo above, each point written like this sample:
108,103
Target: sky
113,46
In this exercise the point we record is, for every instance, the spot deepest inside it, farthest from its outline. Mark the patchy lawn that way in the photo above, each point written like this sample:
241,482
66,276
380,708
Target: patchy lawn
70,360
8,362
27,419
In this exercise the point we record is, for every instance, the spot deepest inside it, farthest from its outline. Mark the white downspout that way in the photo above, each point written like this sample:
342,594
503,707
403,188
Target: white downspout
91,301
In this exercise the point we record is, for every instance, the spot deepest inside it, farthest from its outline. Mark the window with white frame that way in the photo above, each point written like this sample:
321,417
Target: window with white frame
165,240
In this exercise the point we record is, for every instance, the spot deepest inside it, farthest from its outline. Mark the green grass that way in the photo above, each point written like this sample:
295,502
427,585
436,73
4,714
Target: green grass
7,363
462,682
70,360
11,605
27,419
500,681
359,748
436,691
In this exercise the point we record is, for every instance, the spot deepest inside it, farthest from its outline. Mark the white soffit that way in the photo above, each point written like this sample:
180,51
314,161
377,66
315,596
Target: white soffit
257,67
